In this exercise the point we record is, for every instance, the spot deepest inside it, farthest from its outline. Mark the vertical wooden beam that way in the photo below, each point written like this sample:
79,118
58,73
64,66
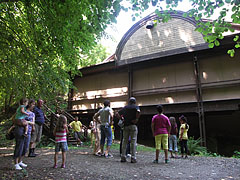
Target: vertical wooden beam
70,98
130,80
201,116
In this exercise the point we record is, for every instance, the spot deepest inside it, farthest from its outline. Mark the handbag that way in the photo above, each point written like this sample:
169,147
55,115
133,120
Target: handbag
10,133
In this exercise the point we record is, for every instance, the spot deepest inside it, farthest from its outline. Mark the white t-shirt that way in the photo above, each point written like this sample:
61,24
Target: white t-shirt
105,114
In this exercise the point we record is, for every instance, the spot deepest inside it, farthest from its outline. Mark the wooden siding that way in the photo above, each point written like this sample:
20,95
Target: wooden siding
93,89
174,34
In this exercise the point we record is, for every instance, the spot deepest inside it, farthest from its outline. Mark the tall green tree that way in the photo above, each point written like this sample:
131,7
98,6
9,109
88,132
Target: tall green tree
42,43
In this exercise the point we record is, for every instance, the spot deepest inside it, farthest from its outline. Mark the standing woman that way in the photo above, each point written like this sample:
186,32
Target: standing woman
22,142
161,129
31,122
183,136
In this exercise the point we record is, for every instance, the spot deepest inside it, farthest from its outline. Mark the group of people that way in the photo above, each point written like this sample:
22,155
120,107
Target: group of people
27,123
165,131
30,118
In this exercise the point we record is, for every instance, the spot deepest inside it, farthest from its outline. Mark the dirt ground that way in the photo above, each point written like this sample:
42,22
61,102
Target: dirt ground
81,164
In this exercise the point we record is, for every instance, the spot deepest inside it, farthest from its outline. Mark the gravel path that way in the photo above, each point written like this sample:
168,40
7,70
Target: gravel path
81,164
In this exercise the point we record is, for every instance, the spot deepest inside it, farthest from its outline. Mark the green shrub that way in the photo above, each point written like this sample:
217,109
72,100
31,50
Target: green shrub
195,148
236,154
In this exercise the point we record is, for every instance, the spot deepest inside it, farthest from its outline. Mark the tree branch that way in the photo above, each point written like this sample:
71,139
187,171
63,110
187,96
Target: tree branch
6,1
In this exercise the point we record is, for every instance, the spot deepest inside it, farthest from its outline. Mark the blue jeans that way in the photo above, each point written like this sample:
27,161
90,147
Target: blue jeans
106,132
173,143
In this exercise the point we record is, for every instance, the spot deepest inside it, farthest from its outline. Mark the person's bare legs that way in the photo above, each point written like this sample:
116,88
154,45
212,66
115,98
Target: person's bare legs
17,160
63,158
166,155
107,150
171,154
55,158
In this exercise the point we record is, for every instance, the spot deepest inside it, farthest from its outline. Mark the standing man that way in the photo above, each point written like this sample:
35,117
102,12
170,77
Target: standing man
106,120
130,114
37,134
77,128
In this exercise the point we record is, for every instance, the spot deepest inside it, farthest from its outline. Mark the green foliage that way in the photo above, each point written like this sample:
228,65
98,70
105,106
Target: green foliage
5,124
236,154
43,43
194,146
145,148
46,142
96,55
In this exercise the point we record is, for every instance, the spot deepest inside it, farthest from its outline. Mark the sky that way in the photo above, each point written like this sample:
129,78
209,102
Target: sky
124,23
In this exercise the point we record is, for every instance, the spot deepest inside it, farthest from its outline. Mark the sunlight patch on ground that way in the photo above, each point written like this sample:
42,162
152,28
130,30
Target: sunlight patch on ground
82,153
6,154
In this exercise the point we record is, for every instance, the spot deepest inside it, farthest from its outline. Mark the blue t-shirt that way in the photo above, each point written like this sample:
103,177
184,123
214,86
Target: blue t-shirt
39,116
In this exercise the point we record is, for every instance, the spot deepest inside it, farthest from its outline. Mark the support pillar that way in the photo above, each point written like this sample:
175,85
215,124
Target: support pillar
130,81
201,116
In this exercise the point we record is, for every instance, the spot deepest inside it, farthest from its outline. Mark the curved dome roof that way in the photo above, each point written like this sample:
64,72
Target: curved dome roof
176,36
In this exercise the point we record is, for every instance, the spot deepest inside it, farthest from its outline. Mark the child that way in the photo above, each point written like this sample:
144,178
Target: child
93,131
112,128
173,137
60,133
21,114
161,128
183,137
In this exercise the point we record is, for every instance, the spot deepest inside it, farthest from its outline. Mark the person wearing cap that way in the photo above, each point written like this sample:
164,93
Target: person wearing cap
130,114
106,120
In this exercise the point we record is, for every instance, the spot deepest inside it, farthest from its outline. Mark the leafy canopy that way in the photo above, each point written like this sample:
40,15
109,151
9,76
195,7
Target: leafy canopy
44,42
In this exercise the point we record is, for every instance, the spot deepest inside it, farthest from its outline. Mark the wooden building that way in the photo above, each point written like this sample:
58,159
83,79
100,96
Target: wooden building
168,64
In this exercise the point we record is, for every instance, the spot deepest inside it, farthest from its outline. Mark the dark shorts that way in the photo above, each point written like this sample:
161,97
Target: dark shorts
61,146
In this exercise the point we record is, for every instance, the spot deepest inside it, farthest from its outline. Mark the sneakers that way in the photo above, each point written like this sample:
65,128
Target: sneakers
123,159
166,161
55,166
63,166
155,161
22,164
133,160
108,155
18,167
100,154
